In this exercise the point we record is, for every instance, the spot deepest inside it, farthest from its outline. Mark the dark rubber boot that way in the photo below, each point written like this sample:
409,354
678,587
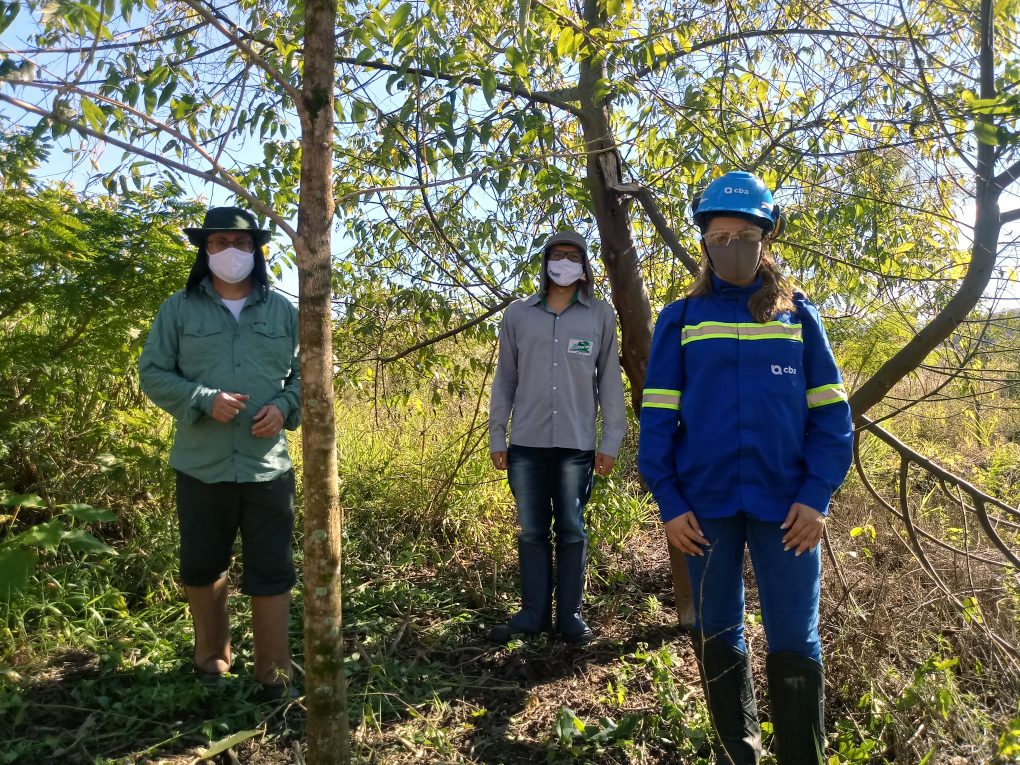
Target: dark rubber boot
797,701
729,691
535,615
570,560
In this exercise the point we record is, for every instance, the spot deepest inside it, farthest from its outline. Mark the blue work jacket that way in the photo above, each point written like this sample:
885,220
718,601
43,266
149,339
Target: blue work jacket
740,416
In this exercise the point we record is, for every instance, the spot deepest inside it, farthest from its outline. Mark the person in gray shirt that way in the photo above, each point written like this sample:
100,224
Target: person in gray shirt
558,366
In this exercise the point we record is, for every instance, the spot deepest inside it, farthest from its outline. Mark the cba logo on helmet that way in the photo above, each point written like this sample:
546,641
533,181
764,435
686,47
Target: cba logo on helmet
741,194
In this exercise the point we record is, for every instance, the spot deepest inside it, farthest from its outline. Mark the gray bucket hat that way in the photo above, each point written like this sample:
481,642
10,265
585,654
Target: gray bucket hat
227,219
566,236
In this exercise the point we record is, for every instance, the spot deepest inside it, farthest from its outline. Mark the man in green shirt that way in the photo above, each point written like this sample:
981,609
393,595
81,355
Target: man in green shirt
222,358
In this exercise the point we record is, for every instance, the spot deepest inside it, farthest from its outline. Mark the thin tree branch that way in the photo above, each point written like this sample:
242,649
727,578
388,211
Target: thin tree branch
538,96
220,177
647,200
236,37
455,331
1009,217
473,175
752,33
926,89
1008,176
110,46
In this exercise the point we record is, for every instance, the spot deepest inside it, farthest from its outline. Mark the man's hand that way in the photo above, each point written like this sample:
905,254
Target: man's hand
604,464
804,527
498,460
684,533
267,422
226,406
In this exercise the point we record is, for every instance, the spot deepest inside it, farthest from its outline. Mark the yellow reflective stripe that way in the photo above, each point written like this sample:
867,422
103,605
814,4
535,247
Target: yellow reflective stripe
770,330
660,398
825,394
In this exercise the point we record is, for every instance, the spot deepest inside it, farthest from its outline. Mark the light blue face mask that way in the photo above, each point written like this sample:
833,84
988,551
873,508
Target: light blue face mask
736,262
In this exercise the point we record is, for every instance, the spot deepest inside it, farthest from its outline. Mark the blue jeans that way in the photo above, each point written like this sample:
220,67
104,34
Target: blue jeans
551,486
788,586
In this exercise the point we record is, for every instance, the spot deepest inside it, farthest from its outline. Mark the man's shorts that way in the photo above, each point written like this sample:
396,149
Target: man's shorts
211,514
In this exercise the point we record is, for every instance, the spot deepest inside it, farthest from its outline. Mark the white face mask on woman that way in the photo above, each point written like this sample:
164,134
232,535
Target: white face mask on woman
565,272
232,265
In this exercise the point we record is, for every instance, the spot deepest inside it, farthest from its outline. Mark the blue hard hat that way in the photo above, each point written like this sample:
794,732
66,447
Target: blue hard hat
737,193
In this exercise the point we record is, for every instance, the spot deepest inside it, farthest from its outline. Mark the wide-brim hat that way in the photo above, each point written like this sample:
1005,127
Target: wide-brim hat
228,219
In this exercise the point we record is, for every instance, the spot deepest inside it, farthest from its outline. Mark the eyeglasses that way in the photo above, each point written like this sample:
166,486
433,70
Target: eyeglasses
240,242
573,257
723,238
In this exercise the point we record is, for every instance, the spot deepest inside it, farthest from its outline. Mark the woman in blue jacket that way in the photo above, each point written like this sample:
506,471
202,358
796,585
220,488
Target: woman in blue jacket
745,435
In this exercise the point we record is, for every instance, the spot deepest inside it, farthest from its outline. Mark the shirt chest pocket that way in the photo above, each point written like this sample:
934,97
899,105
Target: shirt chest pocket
779,364
202,346
581,349
273,347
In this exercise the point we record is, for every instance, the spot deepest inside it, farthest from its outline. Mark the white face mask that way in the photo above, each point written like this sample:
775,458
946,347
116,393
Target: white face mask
232,265
565,272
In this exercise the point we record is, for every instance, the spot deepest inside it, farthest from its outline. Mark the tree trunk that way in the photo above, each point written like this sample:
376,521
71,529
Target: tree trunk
619,254
325,683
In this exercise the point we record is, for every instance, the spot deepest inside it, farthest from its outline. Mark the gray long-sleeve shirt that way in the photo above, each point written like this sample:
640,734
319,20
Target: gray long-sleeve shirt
554,373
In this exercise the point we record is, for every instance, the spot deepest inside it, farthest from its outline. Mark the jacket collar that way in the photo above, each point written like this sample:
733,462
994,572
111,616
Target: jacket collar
725,288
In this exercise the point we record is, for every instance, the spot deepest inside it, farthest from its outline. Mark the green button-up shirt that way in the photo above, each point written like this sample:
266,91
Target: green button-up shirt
196,349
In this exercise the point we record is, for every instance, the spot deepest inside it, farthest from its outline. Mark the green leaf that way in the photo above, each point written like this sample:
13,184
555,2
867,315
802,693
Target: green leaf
16,565
8,12
131,93
229,742
46,536
986,133
400,17
168,91
82,541
972,610
523,15
565,42
517,62
359,111
93,114
488,79
87,513
23,500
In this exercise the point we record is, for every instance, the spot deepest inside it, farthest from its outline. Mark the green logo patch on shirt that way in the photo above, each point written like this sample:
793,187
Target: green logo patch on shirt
582,347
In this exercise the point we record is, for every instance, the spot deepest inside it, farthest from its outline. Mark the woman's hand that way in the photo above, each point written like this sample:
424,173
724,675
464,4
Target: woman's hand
684,533
804,527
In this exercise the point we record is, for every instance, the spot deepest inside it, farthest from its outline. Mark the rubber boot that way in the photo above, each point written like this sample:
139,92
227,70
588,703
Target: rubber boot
729,691
208,606
797,701
535,615
570,560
